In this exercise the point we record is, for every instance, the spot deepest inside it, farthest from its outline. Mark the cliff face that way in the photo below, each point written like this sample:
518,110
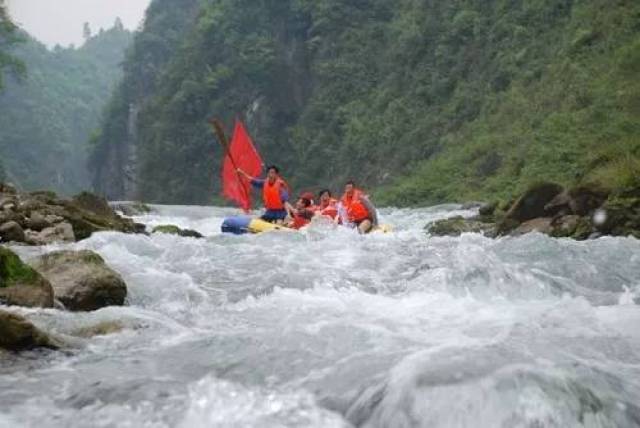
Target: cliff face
114,160
428,101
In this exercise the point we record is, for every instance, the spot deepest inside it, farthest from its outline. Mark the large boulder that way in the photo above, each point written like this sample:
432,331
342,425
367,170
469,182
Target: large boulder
81,280
11,231
20,284
18,334
581,200
170,229
532,203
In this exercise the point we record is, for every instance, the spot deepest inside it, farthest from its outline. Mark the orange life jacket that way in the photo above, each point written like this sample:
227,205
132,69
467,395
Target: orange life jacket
271,194
356,210
331,210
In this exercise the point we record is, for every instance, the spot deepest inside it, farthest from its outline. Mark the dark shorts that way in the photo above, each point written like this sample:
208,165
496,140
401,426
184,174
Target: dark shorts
273,216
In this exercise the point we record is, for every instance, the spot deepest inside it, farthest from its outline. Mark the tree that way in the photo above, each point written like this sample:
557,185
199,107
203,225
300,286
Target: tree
86,31
118,24
8,38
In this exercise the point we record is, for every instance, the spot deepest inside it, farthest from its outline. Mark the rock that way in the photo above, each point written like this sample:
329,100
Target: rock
7,188
18,334
532,202
456,226
101,329
131,208
472,205
11,232
62,232
175,230
581,200
81,280
95,204
7,201
37,222
572,226
488,209
20,284
542,225
619,216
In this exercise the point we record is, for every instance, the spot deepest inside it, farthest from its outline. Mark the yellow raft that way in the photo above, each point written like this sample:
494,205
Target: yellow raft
257,225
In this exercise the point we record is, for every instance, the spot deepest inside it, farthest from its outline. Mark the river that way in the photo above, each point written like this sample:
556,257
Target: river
326,328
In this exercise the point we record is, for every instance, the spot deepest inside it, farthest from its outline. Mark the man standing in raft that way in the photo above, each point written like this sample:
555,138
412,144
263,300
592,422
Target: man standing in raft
356,210
275,194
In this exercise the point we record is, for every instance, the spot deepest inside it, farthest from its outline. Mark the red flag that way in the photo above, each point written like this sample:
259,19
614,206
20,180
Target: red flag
241,154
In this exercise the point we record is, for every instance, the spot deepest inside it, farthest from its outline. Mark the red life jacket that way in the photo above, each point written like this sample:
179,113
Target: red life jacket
301,219
271,194
356,210
331,210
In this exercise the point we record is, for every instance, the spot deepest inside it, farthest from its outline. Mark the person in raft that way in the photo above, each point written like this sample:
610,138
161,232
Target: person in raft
275,194
356,210
327,205
302,213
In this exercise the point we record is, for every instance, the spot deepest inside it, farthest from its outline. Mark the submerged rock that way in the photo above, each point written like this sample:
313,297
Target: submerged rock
81,280
18,334
103,328
456,226
542,225
175,230
20,284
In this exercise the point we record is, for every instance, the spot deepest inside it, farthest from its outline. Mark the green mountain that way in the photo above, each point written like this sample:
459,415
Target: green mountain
421,101
47,117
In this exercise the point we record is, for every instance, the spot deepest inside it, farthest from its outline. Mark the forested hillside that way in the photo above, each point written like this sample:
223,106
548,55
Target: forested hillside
422,101
48,115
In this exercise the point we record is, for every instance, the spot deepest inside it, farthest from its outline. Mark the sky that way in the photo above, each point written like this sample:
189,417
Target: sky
60,21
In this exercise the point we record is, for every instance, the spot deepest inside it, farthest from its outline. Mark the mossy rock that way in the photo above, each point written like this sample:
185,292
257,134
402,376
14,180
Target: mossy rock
19,334
22,285
572,226
621,216
175,230
456,226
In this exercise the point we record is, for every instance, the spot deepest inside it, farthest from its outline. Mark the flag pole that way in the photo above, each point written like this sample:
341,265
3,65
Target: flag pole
218,129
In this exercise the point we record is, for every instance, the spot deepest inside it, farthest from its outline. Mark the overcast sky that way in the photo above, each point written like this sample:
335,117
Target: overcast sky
60,21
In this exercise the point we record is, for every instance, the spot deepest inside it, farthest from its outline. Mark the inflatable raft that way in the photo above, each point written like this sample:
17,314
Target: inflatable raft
239,225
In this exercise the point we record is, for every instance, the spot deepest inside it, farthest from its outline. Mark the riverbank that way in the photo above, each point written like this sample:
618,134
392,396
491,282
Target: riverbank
582,212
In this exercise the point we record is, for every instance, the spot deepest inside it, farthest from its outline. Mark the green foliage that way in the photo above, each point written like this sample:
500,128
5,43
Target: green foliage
8,38
47,116
424,101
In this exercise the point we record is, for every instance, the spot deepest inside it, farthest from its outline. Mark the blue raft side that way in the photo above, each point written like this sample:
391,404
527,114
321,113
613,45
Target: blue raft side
237,225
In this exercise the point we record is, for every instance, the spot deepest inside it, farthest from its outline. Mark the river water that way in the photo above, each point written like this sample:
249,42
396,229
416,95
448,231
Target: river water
326,328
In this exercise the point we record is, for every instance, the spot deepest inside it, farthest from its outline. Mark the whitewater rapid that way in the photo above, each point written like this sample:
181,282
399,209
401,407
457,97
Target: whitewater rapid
326,328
